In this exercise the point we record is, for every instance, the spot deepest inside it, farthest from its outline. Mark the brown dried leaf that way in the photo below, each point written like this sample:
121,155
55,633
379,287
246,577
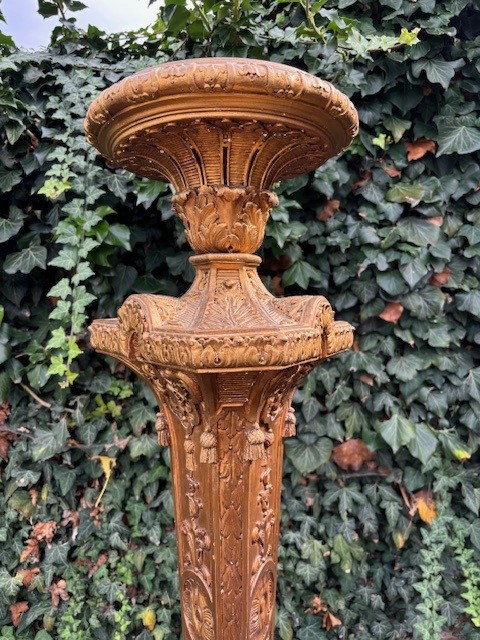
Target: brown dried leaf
352,455
17,610
393,172
367,379
418,148
365,176
4,412
32,549
435,220
330,621
58,592
441,278
28,575
102,558
317,606
33,496
391,312
425,505
5,439
331,207
276,286
44,531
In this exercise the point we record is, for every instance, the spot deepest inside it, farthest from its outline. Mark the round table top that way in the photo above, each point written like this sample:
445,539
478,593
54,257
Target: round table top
167,122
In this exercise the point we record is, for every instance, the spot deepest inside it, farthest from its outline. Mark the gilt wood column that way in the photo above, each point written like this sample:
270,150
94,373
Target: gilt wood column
225,359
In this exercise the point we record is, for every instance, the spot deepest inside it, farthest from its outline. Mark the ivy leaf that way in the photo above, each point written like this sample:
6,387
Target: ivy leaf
418,231
119,236
391,282
284,625
413,271
307,572
474,532
26,260
9,227
145,445
424,444
300,273
308,457
469,302
457,135
472,383
404,367
438,70
396,126
427,303
397,431
409,193
311,629
9,586
471,497
8,179
47,443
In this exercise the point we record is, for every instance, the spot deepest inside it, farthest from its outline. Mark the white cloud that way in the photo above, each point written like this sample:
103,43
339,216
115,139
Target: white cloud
29,30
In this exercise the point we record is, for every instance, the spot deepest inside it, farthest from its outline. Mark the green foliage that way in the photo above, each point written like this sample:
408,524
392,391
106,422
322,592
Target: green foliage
78,236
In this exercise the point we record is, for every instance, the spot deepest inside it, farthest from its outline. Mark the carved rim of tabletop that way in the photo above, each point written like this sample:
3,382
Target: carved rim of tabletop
230,121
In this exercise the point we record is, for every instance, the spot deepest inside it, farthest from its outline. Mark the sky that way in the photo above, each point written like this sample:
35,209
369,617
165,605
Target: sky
30,31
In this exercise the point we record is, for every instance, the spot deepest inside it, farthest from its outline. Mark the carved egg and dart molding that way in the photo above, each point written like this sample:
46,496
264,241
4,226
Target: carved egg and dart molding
225,359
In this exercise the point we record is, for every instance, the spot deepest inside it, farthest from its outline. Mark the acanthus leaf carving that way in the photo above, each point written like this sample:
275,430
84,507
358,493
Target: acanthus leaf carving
224,220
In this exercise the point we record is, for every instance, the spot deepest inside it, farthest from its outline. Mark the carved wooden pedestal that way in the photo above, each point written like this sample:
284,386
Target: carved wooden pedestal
225,359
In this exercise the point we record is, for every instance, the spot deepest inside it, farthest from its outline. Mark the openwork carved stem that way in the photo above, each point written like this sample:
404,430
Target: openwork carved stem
225,359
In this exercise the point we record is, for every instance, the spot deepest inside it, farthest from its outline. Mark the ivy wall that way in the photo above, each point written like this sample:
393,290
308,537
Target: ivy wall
380,506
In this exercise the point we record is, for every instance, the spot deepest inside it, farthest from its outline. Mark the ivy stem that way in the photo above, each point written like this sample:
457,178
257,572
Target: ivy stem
203,17
32,393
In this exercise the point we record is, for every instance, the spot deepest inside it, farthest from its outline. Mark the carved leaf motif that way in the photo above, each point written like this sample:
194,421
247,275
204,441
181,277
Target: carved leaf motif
183,397
224,219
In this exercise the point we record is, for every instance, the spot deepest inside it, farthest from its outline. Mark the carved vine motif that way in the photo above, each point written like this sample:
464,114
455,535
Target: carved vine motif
197,541
231,488
197,612
161,427
263,600
224,220
282,391
184,398
106,336
262,534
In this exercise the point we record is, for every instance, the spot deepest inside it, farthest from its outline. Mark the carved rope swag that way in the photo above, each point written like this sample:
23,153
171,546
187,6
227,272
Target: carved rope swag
225,359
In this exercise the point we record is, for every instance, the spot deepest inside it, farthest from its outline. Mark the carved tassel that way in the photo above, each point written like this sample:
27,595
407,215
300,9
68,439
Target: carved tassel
269,438
208,442
189,450
255,446
162,430
289,429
